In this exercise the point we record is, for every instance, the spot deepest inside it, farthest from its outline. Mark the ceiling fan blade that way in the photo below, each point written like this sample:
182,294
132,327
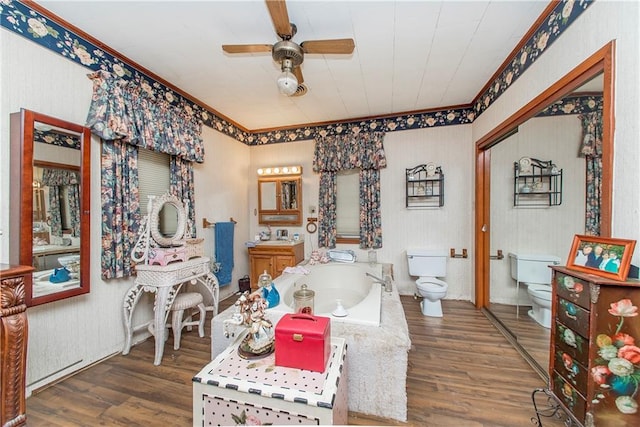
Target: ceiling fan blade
280,17
328,46
298,73
246,48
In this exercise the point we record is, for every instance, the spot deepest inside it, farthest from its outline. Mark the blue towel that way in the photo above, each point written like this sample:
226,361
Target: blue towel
224,251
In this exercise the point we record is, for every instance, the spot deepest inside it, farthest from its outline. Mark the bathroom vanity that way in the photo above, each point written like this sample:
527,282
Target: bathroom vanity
594,362
273,256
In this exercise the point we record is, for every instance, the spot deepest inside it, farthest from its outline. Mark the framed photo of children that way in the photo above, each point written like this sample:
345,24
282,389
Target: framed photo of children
602,256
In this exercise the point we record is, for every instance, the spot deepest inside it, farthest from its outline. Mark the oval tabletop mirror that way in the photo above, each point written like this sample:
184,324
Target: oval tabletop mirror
168,221
49,213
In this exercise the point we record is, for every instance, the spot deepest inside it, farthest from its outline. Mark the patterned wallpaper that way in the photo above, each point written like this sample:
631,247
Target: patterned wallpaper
21,19
57,138
578,104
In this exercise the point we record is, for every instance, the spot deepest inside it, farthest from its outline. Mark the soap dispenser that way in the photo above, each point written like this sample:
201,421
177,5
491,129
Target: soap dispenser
268,289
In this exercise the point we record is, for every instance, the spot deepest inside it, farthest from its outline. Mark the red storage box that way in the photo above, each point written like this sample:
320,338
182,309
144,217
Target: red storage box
303,341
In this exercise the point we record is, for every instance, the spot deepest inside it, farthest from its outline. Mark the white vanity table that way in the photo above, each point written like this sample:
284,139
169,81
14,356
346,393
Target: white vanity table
164,279
165,282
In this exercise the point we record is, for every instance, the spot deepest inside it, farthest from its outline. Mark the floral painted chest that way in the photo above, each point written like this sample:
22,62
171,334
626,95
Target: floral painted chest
594,364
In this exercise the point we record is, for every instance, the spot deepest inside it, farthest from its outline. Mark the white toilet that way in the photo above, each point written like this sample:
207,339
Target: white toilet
427,265
534,271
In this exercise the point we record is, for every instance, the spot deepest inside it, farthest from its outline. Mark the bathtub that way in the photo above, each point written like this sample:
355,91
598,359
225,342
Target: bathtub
360,294
377,336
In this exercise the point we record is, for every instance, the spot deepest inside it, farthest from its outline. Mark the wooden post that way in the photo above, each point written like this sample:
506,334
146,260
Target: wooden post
13,344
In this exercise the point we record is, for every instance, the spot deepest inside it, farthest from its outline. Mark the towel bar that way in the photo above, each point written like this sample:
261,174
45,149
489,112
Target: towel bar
207,224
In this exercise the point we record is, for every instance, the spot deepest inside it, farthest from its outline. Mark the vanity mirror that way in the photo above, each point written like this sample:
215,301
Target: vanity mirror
280,199
538,233
49,213
168,221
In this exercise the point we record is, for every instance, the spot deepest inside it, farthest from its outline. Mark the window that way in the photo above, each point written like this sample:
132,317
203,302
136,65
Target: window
153,179
65,214
348,206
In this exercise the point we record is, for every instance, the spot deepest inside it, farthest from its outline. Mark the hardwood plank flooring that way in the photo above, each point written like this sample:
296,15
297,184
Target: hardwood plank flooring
462,372
531,336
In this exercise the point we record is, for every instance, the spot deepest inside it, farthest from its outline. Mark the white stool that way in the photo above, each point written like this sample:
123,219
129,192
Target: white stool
185,301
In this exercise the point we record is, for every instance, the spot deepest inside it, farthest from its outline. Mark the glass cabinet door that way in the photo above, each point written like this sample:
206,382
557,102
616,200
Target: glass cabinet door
280,200
268,195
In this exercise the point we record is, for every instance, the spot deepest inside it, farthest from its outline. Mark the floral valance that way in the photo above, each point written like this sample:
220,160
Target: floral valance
363,150
56,177
131,111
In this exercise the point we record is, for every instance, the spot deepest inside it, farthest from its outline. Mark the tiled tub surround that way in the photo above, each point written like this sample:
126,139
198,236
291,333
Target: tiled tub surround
377,355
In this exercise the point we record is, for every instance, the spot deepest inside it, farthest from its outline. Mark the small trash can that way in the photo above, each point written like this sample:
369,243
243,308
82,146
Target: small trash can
244,284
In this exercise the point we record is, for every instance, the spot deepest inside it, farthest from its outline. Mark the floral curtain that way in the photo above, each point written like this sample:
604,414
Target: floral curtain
55,179
360,150
370,223
591,150
120,207
132,112
181,185
327,217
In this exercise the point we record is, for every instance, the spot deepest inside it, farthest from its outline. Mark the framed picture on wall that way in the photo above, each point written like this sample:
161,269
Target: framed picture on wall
601,256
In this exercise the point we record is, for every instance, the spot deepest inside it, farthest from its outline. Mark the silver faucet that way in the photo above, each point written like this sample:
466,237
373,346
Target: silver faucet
386,281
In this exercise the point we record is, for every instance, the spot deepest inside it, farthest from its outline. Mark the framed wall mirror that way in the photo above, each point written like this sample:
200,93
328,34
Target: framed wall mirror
537,233
280,200
50,199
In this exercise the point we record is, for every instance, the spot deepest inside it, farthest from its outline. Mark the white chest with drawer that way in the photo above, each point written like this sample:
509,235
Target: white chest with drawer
232,390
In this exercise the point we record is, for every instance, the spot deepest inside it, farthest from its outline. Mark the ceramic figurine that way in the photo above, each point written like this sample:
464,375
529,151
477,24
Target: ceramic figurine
250,313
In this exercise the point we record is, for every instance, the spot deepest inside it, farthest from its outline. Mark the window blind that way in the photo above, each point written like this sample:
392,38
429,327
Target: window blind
153,180
348,203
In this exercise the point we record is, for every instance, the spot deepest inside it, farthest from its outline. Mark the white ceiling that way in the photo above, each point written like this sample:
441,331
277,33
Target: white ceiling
409,55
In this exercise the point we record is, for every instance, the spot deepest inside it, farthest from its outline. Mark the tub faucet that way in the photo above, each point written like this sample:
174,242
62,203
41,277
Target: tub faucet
386,281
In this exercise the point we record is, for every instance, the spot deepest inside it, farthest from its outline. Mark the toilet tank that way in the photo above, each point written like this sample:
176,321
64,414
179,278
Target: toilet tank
532,268
427,262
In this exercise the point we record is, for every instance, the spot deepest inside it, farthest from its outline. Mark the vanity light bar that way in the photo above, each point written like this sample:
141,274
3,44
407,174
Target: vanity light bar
280,170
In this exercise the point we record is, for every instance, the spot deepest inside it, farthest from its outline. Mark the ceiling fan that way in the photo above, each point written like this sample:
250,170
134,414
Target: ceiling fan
287,53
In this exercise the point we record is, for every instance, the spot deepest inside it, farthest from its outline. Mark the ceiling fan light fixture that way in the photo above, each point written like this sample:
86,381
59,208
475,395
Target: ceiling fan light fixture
287,81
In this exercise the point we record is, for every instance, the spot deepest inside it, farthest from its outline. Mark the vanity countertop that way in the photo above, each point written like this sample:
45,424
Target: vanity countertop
280,243
54,249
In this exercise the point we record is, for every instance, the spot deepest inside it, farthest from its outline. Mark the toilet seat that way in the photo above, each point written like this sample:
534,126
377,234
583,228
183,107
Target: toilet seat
540,291
431,284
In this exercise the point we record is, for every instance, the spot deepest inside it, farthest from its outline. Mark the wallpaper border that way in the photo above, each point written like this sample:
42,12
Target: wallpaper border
19,18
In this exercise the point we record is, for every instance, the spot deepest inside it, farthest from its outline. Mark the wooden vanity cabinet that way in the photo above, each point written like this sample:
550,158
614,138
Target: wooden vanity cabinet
13,344
273,259
594,363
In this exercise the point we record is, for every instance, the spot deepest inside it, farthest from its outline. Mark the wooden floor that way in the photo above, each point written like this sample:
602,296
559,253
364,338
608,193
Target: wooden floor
462,372
531,336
